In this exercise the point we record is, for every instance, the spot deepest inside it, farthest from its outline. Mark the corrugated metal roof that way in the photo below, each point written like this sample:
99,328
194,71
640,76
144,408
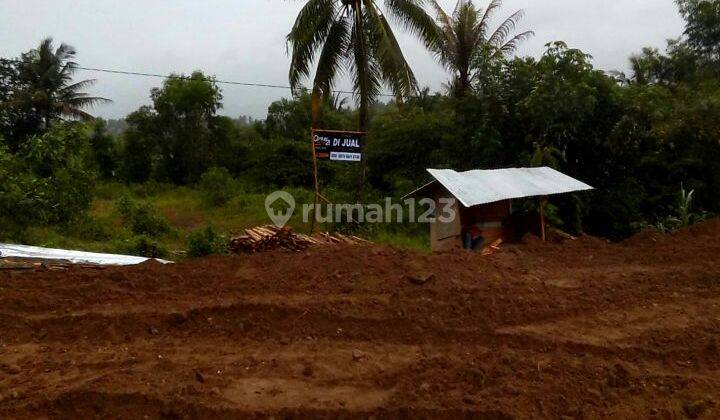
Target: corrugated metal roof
490,185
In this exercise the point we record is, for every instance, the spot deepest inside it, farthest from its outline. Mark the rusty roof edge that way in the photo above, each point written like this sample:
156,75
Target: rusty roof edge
417,190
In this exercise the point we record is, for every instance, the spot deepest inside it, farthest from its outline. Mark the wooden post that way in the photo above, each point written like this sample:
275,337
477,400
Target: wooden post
319,196
542,218
315,178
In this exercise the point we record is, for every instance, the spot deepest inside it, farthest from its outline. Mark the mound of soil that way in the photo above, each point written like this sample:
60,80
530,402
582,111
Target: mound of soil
579,329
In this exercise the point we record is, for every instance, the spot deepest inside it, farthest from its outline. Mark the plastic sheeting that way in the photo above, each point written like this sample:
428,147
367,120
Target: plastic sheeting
488,186
77,257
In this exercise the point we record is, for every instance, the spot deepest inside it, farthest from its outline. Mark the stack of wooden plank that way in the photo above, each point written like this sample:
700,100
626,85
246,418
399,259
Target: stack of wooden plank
37,264
337,238
269,237
492,248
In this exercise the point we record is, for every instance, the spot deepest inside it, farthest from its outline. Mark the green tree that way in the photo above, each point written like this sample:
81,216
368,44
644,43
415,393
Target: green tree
138,146
702,27
184,107
103,149
180,136
679,64
58,161
291,118
354,35
47,89
8,77
466,40
405,143
16,123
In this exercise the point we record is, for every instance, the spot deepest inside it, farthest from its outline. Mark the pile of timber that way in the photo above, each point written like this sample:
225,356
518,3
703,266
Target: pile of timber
492,248
269,237
38,264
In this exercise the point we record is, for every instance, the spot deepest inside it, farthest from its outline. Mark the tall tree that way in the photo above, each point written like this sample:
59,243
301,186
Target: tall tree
466,40
702,26
354,36
184,115
48,90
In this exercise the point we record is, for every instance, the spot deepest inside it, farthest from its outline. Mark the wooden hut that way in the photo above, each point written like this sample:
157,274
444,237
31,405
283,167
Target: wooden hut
482,199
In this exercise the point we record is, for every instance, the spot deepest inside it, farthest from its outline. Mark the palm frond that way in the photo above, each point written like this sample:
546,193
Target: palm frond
441,16
465,44
331,57
64,52
395,71
75,113
503,31
74,87
413,17
485,20
85,101
510,46
310,29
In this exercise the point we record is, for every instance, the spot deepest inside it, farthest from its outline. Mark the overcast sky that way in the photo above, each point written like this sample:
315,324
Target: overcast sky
244,40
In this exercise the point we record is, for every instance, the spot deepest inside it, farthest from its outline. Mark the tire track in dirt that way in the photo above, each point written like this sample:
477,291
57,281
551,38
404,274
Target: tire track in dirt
583,329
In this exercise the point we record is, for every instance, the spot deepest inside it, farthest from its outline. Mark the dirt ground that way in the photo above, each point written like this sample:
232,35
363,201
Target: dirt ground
582,329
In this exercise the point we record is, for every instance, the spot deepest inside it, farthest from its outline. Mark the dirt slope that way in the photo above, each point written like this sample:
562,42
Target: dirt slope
583,329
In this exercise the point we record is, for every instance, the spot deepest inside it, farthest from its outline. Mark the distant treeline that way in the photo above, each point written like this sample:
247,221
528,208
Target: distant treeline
637,138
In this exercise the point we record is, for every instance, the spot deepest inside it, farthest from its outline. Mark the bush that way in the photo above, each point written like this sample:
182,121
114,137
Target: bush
46,182
149,188
142,219
70,192
23,198
145,246
282,163
217,186
206,242
110,190
88,228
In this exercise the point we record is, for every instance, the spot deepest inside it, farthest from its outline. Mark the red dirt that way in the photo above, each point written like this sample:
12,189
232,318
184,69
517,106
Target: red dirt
583,329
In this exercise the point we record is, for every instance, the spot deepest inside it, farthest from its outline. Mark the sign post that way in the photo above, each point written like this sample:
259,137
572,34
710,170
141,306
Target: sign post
337,146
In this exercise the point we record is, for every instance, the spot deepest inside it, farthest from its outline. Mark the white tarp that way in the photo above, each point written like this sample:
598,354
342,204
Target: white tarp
491,185
78,257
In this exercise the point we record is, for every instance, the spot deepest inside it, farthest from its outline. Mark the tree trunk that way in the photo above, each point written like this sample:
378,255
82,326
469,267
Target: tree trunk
463,83
364,100
360,39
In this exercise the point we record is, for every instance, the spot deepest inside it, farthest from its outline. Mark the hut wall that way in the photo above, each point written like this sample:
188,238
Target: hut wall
446,236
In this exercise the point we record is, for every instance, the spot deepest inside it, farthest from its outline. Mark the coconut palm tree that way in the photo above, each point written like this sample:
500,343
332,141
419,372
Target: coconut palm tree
47,87
336,102
354,36
465,40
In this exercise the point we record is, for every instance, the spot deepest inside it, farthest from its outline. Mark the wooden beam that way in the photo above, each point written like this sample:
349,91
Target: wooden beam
315,177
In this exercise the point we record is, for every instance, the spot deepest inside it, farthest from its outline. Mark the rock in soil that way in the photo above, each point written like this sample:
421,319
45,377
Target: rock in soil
357,355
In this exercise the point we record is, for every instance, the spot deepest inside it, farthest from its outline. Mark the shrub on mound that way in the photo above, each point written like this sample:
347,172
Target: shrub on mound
142,219
217,186
206,242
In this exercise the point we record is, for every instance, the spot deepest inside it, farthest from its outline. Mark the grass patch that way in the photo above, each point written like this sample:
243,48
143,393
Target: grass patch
187,211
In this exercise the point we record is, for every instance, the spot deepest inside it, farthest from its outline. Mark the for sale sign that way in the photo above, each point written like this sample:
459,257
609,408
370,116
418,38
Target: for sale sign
345,146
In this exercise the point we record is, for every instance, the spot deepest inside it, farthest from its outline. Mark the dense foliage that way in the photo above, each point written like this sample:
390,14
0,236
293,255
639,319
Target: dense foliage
644,140
48,180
